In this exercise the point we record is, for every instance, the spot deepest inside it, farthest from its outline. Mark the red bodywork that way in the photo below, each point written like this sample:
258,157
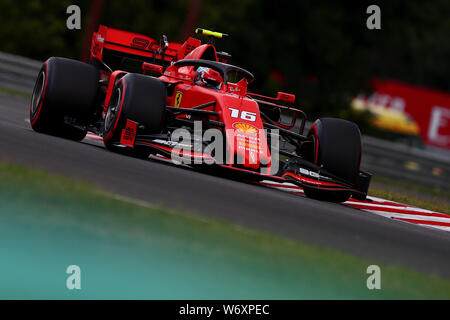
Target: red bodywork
244,129
237,110
244,134
134,44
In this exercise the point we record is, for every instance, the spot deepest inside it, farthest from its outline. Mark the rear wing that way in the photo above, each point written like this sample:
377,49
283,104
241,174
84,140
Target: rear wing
123,50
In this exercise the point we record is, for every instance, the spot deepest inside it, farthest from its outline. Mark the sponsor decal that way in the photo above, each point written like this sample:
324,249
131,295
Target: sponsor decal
129,134
172,144
245,128
313,174
140,43
178,98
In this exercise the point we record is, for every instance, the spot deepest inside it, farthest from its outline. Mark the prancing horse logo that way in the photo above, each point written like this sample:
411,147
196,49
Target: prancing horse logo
178,97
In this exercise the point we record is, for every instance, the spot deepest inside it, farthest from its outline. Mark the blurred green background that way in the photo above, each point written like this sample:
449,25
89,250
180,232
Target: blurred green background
319,50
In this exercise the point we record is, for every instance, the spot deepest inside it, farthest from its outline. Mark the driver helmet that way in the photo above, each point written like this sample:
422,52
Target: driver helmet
208,77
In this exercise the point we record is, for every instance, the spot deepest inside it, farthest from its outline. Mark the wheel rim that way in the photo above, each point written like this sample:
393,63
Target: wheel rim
113,109
37,93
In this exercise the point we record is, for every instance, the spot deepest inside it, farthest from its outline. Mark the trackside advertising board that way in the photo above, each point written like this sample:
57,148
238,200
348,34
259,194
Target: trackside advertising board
428,109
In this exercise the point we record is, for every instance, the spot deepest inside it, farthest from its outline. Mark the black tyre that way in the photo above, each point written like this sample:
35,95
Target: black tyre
138,98
337,147
64,88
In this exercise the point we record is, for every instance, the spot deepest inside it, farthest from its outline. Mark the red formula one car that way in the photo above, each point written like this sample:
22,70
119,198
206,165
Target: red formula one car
185,102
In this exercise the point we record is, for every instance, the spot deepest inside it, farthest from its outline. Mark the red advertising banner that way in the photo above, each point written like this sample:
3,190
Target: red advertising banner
430,109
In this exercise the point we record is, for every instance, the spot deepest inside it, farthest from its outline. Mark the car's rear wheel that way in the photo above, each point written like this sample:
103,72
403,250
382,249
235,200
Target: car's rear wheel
64,89
337,148
137,98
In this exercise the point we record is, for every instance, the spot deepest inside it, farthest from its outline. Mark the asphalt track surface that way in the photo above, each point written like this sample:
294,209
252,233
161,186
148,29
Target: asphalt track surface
329,225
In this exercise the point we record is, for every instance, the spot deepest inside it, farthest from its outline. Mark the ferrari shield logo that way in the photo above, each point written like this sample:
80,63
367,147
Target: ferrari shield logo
178,97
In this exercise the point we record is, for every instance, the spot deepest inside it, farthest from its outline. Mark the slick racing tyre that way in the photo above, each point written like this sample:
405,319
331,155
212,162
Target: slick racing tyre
337,148
137,98
64,88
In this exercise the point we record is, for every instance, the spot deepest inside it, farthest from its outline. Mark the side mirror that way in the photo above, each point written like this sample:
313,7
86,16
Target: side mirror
152,68
286,97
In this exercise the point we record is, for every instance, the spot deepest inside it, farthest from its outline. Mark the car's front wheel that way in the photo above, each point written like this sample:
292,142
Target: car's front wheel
136,98
337,148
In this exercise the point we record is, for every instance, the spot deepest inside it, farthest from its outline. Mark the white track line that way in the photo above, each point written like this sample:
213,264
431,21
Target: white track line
404,207
410,216
436,227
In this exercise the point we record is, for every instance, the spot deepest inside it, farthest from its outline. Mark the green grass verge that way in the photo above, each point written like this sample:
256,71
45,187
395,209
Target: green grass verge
131,251
412,194
404,197
15,93
412,187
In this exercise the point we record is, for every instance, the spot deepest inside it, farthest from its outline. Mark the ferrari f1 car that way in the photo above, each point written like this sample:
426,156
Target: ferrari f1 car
138,93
